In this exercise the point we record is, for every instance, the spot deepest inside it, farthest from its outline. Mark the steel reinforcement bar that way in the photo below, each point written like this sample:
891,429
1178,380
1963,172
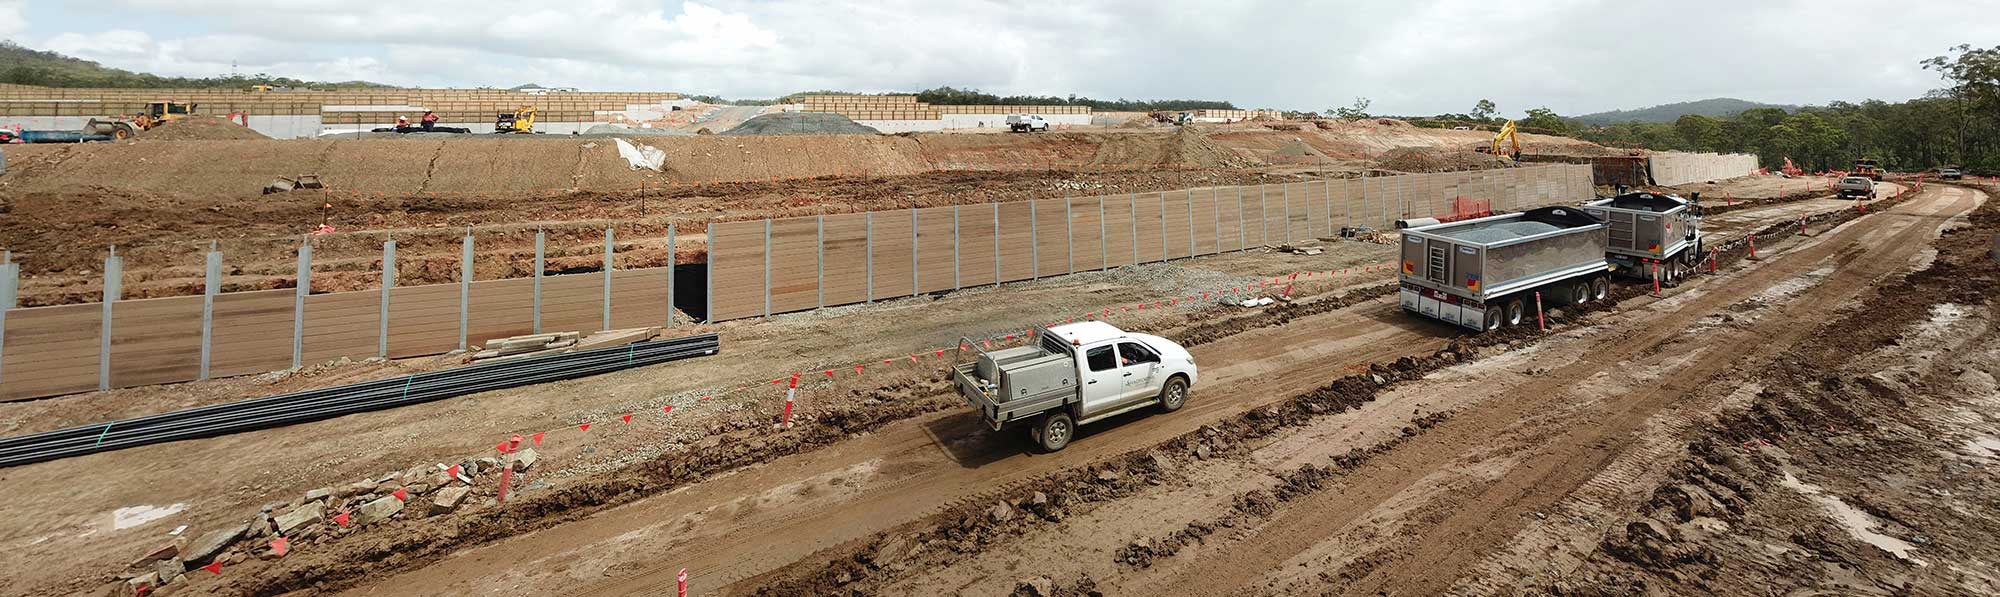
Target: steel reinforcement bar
325,403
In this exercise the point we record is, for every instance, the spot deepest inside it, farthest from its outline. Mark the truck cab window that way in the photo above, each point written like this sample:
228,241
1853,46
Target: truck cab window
1134,353
1100,358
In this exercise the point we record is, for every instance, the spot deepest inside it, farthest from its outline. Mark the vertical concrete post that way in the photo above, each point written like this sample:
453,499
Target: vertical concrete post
1263,215
767,268
914,285
1034,242
610,251
388,284
211,286
996,243
820,246
10,279
672,268
1163,226
303,289
114,280
1242,227
1215,199
1103,248
868,221
955,285
1133,210
1326,193
1069,236
541,247
1286,191
1190,203
708,280
464,287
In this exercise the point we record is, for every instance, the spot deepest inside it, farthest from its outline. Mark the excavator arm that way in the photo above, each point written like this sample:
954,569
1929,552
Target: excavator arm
1507,134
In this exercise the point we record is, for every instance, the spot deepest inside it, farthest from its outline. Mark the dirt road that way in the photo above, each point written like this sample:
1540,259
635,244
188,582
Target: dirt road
737,528
1605,392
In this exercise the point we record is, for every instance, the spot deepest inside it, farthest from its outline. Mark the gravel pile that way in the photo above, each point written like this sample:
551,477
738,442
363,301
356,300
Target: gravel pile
800,123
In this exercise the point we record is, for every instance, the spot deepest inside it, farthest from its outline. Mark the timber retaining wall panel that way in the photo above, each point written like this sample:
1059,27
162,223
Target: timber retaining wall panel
846,263
423,320
52,350
736,262
155,341
252,332
794,264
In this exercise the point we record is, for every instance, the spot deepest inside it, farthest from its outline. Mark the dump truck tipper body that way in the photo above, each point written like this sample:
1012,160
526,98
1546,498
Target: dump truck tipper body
1483,273
1070,375
1650,234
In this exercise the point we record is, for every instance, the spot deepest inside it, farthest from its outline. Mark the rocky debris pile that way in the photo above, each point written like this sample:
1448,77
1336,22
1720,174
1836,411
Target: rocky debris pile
200,128
279,527
1431,159
801,123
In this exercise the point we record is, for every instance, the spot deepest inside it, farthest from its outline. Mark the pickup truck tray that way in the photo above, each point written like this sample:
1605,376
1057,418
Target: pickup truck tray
998,414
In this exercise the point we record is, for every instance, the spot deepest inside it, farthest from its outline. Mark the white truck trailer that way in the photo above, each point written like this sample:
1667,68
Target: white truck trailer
1073,374
1651,234
1483,273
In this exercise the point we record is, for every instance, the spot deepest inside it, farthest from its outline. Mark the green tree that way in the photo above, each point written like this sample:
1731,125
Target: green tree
1699,132
1545,121
1483,110
1356,111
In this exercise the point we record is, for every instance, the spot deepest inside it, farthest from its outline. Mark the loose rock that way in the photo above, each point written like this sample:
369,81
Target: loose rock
524,459
213,542
1001,512
447,499
300,518
377,511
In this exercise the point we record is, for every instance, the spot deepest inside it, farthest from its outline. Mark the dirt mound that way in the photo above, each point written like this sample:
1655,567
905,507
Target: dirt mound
1192,147
1432,159
201,128
800,123
1296,150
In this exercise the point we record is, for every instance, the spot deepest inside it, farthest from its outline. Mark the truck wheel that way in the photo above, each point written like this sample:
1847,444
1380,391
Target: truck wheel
1174,396
1514,312
1579,293
1493,319
1600,287
1054,432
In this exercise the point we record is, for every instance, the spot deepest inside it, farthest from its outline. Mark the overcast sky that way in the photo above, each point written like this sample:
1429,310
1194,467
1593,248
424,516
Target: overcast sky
1573,56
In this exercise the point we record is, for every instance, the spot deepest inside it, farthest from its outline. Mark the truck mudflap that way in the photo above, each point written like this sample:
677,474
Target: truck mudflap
1443,306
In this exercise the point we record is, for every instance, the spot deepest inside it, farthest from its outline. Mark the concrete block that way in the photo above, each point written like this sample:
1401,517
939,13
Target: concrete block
301,518
376,511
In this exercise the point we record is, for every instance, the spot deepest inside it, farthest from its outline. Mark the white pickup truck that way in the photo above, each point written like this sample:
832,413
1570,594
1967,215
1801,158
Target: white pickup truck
1026,123
1073,374
1855,186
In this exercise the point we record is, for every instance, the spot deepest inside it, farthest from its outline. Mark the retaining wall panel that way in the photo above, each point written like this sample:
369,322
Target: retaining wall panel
794,264
736,259
155,341
252,332
893,230
51,350
423,320
846,275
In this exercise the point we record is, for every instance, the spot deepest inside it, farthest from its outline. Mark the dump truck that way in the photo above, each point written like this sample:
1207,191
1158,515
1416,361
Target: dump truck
1071,375
1651,234
1868,168
1485,273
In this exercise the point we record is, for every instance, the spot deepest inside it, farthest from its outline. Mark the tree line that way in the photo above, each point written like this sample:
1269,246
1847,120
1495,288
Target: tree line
1958,125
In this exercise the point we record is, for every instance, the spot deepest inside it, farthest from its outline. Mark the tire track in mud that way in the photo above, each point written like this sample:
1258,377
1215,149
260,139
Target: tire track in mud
417,544
1545,471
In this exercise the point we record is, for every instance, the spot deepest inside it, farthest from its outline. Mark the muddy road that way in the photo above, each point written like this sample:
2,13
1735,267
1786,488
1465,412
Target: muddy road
1500,444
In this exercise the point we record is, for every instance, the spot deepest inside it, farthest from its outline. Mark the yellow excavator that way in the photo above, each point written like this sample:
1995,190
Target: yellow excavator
521,121
1507,134
122,128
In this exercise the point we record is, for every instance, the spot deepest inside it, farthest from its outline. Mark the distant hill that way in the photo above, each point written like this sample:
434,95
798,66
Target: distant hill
24,66
1717,107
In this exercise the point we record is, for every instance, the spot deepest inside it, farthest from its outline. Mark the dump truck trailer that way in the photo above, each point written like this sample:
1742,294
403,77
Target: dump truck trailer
1484,273
1070,375
1651,234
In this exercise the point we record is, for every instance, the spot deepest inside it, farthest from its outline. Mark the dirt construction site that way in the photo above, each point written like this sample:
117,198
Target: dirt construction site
1812,409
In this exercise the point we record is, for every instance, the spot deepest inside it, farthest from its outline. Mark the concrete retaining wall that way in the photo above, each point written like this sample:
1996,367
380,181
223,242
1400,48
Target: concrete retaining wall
1678,168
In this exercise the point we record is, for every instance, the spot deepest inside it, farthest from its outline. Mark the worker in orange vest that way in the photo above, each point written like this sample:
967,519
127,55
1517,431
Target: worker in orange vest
402,122
430,120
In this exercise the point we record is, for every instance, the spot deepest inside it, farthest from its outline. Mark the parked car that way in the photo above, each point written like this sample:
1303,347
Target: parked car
1073,374
1855,186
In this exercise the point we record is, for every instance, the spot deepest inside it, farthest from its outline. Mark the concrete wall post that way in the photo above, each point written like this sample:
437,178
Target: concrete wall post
868,220
10,280
672,268
1133,210
114,280
1069,236
388,284
955,285
211,286
464,288
541,247
996,244
820,245
915,288
1190,204
1034,242
304,289
1263,215
767,268
610,251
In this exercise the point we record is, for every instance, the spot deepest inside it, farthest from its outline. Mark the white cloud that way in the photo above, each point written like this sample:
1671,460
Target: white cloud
1570,55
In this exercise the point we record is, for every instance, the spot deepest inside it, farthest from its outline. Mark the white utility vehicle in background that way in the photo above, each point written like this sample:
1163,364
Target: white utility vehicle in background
1073,374
1026,123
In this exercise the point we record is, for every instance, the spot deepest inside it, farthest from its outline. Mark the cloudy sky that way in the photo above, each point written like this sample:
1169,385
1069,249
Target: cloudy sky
1573,56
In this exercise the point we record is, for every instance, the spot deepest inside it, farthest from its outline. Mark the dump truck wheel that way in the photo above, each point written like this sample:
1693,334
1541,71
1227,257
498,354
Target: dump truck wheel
1515,311
1174,396
1493,319
1579,293
1054,432
1600,287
